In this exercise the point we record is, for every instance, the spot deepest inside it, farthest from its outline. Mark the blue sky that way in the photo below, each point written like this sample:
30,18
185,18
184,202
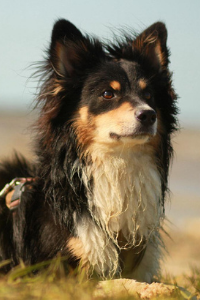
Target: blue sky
26,29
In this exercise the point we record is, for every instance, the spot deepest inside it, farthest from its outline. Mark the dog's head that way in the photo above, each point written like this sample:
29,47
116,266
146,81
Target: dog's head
118,94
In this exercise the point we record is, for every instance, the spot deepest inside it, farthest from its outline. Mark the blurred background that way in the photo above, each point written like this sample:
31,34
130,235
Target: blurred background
25,34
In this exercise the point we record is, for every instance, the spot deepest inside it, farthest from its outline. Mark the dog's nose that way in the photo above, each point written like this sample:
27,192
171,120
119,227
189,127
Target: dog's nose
146,117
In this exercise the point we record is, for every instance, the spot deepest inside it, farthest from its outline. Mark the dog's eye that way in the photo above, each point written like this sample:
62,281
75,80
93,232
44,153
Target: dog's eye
108,95
147,95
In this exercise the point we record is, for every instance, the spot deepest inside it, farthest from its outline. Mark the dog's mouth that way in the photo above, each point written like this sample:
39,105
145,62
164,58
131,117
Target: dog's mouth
136,135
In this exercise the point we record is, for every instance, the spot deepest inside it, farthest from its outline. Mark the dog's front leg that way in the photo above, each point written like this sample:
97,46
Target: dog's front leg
96,251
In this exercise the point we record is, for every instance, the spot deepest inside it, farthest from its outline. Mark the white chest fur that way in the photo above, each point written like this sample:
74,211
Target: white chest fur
124,200
125,195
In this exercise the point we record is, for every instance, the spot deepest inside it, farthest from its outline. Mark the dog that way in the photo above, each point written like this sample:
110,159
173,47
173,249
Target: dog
96,191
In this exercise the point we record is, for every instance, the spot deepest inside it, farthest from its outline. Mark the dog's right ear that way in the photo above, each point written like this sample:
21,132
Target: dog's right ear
65,38
70,51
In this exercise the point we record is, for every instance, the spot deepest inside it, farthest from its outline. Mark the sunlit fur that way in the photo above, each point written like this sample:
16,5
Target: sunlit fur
103,148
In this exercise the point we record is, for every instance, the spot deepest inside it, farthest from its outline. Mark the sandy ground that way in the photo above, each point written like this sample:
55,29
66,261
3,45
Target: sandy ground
183,206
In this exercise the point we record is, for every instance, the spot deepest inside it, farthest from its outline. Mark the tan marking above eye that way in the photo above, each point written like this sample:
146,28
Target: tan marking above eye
142,84
115,85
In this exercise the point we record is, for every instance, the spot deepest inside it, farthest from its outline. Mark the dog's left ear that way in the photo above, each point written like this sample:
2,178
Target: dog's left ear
151,43
149,47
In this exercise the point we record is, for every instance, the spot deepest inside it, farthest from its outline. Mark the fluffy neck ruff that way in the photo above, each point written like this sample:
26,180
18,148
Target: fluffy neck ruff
124,195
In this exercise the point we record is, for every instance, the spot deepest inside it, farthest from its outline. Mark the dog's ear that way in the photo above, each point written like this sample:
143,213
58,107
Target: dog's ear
70,51
65,38
149,46
151,43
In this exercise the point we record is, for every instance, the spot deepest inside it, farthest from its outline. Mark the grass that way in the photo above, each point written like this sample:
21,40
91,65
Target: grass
56,282
52,281
194,280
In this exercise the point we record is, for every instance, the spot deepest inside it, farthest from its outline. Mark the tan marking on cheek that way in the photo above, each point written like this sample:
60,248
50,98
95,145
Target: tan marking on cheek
84,127
115,85
142,84
115,114
114,121
84,113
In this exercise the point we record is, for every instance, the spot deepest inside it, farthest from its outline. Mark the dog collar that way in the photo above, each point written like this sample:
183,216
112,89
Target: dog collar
12,192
